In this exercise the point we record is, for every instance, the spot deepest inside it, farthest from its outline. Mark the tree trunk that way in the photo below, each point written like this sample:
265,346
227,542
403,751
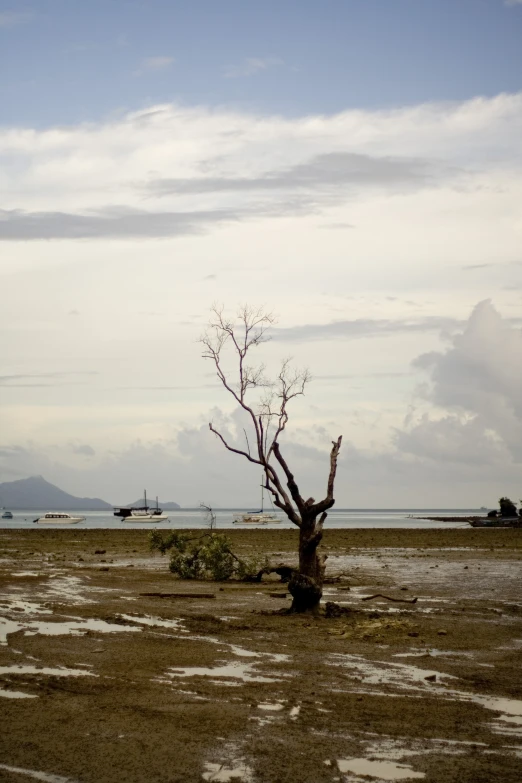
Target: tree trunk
306,586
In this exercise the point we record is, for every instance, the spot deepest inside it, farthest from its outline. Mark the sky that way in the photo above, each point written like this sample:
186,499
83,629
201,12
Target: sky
354,166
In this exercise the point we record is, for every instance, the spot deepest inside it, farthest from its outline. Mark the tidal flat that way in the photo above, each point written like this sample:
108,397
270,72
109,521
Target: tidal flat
100,683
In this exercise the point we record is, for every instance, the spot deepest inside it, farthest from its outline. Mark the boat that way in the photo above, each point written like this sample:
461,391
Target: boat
260,517
256,518
142,514
495,522
58,518
7,515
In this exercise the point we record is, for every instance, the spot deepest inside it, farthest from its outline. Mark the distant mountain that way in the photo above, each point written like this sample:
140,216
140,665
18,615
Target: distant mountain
36,493
168,506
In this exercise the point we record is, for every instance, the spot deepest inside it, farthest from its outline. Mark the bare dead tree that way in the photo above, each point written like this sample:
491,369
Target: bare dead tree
266,402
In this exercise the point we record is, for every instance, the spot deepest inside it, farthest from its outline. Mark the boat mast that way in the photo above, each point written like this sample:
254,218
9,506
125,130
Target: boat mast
145,496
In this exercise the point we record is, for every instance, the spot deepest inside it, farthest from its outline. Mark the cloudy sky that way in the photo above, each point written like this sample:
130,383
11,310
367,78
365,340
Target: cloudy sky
354,165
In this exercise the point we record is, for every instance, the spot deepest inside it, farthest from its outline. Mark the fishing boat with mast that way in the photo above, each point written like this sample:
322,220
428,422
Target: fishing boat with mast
260,517
141,513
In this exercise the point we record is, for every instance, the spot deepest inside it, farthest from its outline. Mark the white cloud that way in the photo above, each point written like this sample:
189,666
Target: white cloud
251,66
137,224
481,375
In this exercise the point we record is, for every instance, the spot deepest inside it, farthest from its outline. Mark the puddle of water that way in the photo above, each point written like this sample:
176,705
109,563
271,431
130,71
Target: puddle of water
149,620
20,606
222,773
511,710
271,707
26,573
509,706
59,671
77,627
383,770
410,678
239,671
31,773
241,651
399,675
16,694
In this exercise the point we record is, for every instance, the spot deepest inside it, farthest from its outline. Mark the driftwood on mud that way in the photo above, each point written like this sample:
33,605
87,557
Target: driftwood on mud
389,598
178,595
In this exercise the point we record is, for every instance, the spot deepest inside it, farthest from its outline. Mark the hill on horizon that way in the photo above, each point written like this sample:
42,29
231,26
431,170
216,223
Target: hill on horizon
37,493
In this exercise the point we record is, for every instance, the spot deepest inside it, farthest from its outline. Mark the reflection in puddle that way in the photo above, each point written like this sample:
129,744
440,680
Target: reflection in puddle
16,694
222,773
240,671
26,573
384,770
399,675
59,671
153,621
411,678
77,627
511,710
31,773
271,707
19,606
241,651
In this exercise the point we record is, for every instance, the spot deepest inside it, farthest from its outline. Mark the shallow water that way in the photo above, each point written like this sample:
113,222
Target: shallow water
59,671
223,773
193,518
75,627
31,773
239,671
16,694
383,770
412,679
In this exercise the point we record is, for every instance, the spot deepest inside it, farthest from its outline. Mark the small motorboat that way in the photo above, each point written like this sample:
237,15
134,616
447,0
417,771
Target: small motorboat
58,518
7,515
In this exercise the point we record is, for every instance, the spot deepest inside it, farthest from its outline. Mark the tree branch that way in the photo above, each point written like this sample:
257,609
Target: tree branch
328,502
230,448
291,482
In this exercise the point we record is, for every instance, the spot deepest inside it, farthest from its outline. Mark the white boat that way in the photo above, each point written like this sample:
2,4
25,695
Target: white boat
58,518
143,514
256,518
7,515
260,517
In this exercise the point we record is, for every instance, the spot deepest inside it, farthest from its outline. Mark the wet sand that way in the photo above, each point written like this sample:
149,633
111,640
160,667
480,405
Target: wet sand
100,683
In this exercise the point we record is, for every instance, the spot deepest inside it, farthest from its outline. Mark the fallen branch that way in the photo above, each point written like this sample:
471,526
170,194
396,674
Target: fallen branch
389,598
178,595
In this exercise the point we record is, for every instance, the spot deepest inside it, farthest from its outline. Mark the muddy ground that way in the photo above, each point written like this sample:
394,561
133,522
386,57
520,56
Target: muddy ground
100,683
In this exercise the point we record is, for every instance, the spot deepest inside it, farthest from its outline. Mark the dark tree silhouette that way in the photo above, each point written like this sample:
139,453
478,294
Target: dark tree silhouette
507,507
266,403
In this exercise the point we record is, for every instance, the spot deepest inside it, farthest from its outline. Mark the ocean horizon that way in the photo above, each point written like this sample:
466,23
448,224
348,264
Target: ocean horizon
196,518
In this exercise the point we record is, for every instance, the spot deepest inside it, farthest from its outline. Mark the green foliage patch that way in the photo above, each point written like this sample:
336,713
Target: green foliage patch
208,556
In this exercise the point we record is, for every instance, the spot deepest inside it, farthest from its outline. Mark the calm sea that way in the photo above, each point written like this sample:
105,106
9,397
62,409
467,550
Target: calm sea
195,518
